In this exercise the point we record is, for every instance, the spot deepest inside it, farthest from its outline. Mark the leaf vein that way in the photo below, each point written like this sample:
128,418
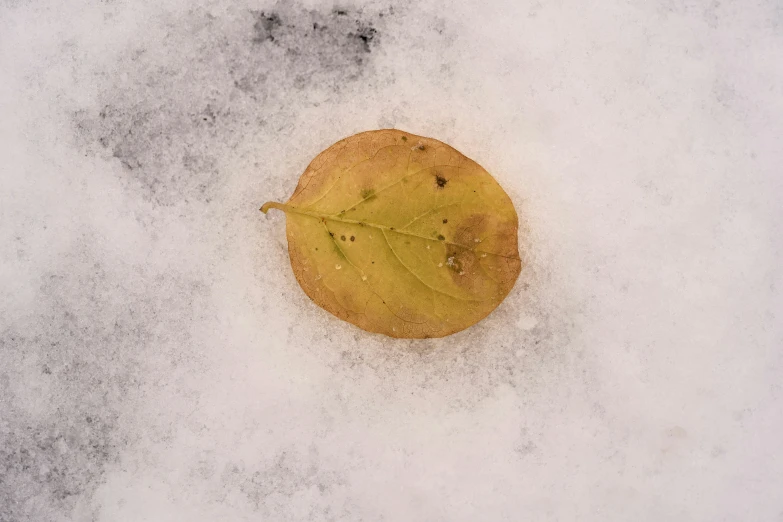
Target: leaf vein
420,279
361,273
346,171
375,194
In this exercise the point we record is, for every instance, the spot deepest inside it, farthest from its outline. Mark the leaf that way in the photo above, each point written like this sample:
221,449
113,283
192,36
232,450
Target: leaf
401,235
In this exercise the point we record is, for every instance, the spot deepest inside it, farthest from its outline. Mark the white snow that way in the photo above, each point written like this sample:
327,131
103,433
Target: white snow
157,351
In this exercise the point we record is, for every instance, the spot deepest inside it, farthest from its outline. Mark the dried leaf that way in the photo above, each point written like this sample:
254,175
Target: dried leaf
401,235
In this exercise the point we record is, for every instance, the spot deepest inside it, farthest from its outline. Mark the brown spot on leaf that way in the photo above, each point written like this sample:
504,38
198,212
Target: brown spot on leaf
440,181
473,226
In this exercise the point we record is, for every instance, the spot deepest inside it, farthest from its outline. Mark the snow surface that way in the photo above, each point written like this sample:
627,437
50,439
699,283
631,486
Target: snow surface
158,361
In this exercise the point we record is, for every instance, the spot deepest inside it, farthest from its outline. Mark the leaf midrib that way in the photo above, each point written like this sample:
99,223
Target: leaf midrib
331,217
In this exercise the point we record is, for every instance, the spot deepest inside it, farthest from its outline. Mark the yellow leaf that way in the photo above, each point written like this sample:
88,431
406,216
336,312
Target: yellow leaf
401,235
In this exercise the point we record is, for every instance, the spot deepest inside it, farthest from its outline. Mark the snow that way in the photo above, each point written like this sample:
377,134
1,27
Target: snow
158,360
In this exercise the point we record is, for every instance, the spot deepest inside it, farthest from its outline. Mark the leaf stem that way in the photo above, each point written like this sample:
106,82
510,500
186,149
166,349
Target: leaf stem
296,210
274,204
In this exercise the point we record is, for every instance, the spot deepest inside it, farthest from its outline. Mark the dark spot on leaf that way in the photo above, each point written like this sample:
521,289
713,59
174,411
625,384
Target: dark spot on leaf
404,138
391,228
441,237
445,221
342,237
331,234
368,193
441,181
421,146
353,238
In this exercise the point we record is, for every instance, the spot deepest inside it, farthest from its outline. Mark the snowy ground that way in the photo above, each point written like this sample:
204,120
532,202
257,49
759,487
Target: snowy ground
159,362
